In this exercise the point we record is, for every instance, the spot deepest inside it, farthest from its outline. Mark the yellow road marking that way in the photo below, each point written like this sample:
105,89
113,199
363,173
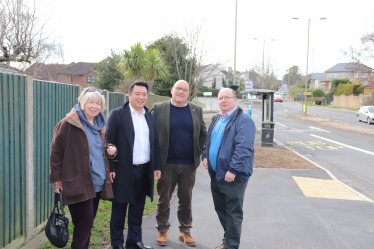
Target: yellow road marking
322,188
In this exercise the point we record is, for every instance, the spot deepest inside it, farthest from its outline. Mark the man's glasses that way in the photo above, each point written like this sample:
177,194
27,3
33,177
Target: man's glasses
224,98
92,89
180,88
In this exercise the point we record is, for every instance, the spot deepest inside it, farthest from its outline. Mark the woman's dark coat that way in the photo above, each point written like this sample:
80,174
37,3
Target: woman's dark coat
120,132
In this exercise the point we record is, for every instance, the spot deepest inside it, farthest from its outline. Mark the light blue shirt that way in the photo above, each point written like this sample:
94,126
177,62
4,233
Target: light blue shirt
216,137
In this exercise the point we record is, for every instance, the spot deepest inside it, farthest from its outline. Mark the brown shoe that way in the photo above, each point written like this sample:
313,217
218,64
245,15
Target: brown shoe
187,238
221,246
162,238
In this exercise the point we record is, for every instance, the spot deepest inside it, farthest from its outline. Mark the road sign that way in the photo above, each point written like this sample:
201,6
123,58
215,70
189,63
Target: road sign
307,93
299,93
207,93
248,85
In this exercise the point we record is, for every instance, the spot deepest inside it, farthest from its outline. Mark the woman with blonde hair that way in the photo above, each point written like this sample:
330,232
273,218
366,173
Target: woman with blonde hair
79,165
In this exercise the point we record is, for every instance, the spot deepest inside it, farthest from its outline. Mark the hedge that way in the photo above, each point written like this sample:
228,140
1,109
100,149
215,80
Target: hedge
350,88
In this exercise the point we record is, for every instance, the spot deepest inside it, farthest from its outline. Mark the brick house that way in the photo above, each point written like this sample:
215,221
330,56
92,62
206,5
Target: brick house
74,73
369,89
355,72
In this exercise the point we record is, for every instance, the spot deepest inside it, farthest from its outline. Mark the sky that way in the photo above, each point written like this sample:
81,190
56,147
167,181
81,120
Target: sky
89,30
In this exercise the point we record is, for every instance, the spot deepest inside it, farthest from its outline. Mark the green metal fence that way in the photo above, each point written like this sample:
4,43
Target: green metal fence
51,103
116,100
12,157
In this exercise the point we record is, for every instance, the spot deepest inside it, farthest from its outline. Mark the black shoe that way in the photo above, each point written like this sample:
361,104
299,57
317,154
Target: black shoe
118,247
137,245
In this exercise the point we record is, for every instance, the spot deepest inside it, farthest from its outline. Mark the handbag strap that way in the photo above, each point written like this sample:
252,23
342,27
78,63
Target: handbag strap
62,204
56,205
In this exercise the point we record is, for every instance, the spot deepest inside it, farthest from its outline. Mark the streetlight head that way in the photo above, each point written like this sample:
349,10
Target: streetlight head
255,39
323,18
295,18
272,39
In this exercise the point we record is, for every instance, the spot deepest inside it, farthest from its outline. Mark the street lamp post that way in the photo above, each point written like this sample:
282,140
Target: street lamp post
236,12
311,77
263,62
307,60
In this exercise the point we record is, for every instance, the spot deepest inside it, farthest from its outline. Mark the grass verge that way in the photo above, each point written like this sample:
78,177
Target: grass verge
100,235
198,103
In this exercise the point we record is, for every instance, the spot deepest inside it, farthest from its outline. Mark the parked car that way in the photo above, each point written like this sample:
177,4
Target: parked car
278,97
366,114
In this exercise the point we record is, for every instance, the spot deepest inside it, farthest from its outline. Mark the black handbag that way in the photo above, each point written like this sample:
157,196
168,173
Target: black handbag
57,226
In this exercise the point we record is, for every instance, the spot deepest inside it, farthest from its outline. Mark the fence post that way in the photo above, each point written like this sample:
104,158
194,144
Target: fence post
29,142
107,105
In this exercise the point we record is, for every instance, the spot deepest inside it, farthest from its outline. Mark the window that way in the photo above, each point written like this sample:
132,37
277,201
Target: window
361,75
333,75
347,75
365,83
90,79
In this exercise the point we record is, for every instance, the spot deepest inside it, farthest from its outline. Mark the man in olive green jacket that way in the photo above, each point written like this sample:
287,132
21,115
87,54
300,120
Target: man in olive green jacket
181,131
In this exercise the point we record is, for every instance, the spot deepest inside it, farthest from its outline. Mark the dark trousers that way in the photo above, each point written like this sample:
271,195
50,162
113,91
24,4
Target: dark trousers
135,211
172,174
228,202
83,215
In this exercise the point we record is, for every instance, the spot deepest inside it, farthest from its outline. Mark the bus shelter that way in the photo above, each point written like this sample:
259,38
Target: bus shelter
267,122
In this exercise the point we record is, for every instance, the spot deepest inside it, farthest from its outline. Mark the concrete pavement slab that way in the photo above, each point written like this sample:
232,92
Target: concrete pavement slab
276,215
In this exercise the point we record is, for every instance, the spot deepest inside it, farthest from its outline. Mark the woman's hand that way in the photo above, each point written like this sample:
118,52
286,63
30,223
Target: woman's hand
57,190
111,150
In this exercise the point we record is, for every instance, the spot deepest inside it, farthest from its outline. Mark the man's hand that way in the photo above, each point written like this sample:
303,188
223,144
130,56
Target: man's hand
111,150
57,190
229,177
205,163
112,176
157,175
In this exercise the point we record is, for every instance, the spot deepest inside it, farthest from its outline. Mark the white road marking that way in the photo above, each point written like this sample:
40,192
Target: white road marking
345,145
280,124
305,130
317,129
330,174
285,110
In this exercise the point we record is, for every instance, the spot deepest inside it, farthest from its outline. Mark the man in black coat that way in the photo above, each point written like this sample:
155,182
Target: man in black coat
132,129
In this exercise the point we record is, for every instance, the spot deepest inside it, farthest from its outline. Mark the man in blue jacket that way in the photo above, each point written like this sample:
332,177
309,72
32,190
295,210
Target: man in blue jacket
228,156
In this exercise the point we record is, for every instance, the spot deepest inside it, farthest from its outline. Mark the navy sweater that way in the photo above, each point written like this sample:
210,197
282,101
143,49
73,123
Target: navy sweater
181,136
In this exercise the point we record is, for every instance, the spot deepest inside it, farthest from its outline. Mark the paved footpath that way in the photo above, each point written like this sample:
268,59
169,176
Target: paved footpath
276,215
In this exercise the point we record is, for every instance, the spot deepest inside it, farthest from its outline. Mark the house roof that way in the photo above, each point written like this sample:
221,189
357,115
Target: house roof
318,76
79,68
5,68
46,71
348,67
371,85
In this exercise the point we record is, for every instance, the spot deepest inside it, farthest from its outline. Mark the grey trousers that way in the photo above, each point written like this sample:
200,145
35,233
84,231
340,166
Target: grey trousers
228,200
172,174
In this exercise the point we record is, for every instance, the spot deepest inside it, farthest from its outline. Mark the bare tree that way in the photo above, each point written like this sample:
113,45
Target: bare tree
22,36
190,54
364,53
267,72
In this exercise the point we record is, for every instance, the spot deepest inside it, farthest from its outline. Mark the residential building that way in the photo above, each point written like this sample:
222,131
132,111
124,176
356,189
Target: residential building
250,75
318,80
369,89
355,72
209,72
74,73
5,68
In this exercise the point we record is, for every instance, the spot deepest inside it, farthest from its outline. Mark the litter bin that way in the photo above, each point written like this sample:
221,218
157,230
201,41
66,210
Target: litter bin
267,135
318,102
